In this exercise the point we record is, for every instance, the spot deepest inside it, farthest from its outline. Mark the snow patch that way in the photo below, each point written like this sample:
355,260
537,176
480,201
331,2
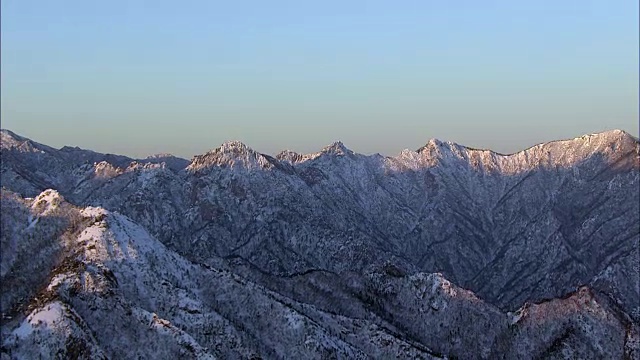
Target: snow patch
46,317
46,202
32,222
91,212
514,317
57,280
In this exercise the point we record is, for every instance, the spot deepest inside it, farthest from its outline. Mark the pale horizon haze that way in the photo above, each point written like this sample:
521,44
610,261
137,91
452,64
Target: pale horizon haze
144,77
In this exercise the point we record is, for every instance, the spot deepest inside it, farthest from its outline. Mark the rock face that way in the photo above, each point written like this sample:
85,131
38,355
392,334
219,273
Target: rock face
442,252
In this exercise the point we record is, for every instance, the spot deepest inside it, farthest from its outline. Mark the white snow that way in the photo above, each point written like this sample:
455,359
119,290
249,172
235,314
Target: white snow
93,211
32,222
46,202
46,317
232,154
514,317
57,280
152,276
104,170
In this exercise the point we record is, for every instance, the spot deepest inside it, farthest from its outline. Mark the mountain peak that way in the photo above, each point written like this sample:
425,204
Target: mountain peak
46,202
609,142
289,156
336,148
234,147
612,132
231,154
434,144
159,156
9,133
67,148
611,135
171,161
10,139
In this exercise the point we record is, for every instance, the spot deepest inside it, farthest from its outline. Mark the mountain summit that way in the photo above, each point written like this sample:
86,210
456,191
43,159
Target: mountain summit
337,148
231,154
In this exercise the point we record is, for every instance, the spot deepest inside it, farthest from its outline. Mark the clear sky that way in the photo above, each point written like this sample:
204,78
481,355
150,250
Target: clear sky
140,77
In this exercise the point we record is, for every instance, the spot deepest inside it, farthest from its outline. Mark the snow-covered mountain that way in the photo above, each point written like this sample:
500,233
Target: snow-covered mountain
442,252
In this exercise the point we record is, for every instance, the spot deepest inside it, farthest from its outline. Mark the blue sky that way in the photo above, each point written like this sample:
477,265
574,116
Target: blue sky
141,77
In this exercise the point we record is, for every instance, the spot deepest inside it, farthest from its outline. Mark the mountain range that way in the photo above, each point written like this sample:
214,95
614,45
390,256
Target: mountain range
442,252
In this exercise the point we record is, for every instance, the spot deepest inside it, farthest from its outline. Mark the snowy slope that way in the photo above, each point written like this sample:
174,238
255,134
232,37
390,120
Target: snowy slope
119,293
119,282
